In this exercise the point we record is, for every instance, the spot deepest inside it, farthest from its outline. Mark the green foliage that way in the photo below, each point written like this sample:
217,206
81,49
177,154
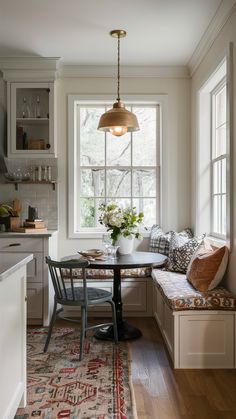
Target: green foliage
6,211
120,222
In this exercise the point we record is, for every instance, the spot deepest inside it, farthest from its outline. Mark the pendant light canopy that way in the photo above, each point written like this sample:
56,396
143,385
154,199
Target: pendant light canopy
118,120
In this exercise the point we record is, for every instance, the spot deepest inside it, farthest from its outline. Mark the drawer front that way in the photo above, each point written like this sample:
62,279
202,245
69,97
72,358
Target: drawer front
20,244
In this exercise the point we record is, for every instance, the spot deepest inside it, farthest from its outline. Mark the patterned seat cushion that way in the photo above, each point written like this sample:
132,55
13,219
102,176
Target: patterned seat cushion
180,295
108,273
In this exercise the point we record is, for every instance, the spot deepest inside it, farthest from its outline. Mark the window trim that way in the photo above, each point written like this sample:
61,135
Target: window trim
202,179
160,100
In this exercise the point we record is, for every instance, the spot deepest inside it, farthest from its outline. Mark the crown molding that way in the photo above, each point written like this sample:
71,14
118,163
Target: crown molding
29,68
224,11
67,70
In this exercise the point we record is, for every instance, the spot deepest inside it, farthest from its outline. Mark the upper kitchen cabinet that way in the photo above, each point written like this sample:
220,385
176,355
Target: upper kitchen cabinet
31,120
30,106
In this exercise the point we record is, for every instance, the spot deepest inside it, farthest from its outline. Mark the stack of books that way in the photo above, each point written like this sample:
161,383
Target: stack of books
36,226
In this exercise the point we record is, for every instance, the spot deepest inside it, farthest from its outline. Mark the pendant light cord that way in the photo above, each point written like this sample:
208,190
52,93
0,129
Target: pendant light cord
118,71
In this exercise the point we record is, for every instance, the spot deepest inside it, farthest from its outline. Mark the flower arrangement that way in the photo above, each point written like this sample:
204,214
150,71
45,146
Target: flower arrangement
121,222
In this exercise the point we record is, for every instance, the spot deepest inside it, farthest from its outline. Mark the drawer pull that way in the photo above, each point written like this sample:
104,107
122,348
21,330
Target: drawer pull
14,244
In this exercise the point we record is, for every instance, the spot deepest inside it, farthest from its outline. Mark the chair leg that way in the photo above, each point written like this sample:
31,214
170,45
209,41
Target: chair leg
82,331
86,324
113,307
52,321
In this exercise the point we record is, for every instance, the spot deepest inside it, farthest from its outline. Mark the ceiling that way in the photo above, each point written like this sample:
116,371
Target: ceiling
159,32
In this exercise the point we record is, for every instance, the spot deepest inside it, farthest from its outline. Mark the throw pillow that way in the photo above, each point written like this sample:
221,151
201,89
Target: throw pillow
181,250
207,267
160,241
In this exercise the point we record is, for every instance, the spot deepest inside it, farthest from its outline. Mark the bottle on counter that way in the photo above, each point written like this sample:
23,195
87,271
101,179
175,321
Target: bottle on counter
44,173
39,173
49,169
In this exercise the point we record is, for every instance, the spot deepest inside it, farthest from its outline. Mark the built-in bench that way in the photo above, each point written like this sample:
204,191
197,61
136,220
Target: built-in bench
198,328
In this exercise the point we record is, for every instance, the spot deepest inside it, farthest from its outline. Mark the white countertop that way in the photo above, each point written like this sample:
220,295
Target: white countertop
47,233
10,262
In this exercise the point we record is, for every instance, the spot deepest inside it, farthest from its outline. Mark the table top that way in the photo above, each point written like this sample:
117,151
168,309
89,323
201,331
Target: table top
135,260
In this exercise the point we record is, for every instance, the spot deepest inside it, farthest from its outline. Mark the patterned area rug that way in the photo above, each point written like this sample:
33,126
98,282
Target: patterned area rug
61,387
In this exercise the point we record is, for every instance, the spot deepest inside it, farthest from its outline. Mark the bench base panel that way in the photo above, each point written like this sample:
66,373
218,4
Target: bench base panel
196,338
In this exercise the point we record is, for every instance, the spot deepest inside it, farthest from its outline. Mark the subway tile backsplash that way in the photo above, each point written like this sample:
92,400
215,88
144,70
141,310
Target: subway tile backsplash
41,196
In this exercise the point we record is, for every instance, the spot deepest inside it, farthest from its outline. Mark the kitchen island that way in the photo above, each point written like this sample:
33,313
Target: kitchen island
13,332
39,288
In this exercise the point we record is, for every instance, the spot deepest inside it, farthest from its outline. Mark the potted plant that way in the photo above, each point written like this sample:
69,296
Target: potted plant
9,215
123,224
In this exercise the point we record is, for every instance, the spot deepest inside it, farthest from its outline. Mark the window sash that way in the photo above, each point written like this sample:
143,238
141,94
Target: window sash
218,199
106,168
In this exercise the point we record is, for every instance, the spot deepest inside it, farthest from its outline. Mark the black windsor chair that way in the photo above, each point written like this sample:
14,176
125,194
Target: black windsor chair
67,293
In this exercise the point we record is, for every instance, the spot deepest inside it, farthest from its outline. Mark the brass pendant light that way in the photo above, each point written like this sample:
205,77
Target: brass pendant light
118,120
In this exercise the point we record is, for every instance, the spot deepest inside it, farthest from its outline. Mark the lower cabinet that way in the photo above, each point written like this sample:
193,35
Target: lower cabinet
34,302
39,288
13,341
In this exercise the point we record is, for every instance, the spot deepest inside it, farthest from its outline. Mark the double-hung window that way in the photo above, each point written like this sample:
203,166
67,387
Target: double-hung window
219,160
213,205
105,168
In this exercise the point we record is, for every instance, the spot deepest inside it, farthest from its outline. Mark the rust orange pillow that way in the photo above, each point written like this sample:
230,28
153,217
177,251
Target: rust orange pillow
207,267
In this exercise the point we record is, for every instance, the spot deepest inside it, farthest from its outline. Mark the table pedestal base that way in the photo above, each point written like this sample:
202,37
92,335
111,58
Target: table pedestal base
125,332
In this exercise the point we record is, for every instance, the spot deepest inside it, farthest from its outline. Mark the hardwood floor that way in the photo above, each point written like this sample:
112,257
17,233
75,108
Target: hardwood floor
164,393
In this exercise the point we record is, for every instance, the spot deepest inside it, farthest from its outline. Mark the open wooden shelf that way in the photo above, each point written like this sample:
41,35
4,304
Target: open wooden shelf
29,182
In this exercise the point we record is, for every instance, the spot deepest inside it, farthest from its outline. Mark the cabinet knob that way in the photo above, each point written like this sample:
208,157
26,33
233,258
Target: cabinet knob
48,145
26,299
14,244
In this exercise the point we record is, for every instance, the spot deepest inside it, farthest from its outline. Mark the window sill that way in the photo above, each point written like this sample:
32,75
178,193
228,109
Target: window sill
215,241
98,234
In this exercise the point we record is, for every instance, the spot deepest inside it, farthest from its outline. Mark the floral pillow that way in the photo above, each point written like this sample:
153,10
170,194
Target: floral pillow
181,250
160,241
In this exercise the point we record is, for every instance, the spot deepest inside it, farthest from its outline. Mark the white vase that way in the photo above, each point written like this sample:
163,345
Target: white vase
125,244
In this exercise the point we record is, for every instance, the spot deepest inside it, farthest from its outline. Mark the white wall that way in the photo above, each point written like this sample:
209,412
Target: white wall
207,66
176,148
3,123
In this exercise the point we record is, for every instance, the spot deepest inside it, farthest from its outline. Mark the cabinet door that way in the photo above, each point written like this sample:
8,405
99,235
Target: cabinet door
35,288
134,295
158,305
34,301
35,269
31,130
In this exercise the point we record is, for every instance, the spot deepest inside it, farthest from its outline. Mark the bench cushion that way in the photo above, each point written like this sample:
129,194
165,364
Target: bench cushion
180,295
108,273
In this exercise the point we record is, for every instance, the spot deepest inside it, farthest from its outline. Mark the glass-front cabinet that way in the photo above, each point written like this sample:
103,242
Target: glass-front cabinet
31,120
